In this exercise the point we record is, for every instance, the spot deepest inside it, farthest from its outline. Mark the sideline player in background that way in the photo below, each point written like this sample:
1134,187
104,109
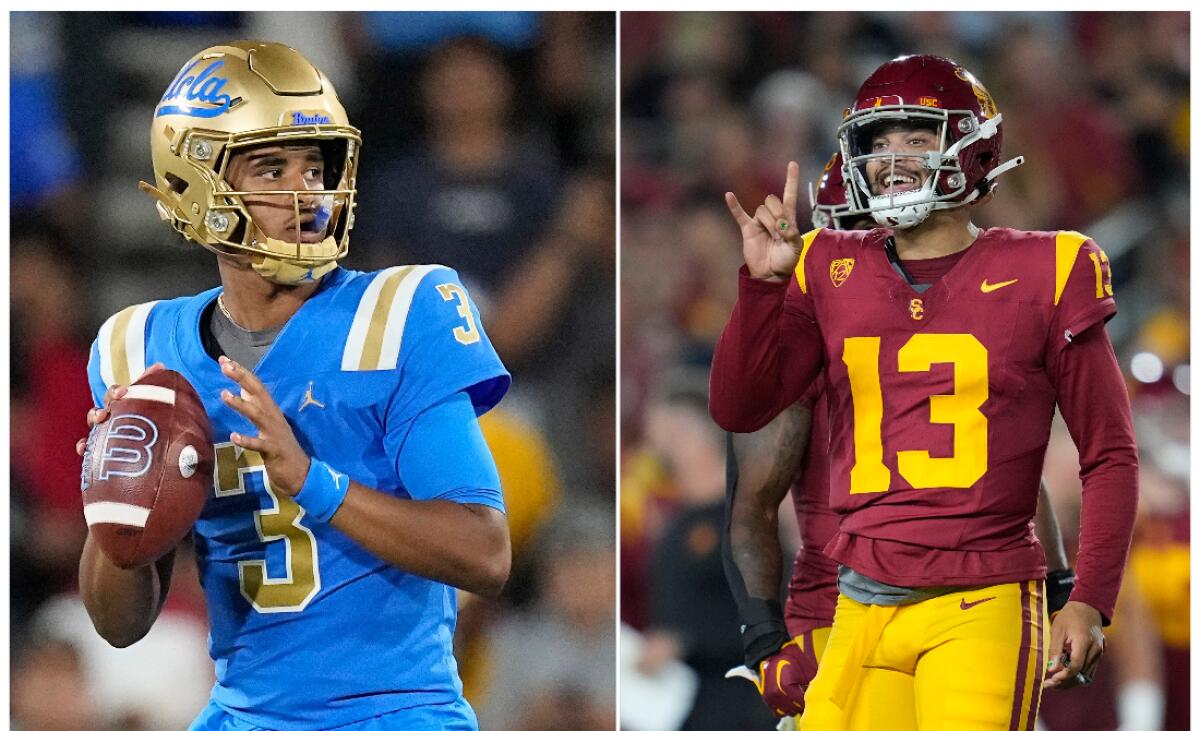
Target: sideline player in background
946,350
783,645
353,488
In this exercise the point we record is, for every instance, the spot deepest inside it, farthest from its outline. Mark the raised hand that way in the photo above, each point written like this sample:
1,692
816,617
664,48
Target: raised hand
284,458
770,239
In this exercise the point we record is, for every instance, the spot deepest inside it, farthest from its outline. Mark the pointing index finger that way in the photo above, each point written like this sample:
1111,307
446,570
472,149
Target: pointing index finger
791,190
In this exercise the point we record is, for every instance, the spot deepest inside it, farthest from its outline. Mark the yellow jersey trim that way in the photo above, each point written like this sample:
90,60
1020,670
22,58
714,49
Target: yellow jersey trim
1066,248
807,240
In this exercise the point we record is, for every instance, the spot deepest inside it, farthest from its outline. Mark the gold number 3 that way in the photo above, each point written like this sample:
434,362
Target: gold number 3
961,409
469,333
302,579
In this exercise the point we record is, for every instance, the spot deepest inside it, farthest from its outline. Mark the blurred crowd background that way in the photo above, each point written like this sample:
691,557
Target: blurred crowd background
489,147
1098,103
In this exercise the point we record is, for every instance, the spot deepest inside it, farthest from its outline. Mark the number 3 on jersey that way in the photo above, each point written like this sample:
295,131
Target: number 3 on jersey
468,333
281,521
960,409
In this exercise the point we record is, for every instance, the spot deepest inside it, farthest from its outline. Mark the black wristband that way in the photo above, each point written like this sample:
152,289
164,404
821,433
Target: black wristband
763,630
1058,588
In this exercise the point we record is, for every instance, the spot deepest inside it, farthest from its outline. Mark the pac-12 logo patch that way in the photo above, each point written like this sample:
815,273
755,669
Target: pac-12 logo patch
839,271
125,451
198,94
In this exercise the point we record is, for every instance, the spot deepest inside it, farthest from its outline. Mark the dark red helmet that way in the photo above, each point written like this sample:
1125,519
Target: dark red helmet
923,91
827,197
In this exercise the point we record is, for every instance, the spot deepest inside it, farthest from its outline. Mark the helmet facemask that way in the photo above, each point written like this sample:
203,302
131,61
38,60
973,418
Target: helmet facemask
945,183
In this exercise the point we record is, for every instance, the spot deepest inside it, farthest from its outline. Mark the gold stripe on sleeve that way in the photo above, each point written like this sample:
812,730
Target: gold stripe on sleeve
117,346
373,343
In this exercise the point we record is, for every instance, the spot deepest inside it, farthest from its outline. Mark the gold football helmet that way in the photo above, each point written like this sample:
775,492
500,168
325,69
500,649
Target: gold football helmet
238,95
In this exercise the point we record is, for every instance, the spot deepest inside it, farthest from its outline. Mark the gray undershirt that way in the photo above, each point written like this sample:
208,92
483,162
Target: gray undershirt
244,346
865,590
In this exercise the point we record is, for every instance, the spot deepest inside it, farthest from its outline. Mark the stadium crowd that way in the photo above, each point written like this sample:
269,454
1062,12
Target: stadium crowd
489,143
1098,103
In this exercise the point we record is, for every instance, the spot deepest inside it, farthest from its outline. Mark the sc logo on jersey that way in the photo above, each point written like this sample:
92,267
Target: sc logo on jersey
125,451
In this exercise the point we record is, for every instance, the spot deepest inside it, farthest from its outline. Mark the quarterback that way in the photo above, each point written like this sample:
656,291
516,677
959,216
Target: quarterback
353,490
784,645
945,350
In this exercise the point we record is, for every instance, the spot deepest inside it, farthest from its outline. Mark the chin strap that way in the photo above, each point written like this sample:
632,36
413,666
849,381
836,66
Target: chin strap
291,272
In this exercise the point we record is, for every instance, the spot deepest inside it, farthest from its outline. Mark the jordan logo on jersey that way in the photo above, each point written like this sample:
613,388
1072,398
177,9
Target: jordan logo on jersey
839,271
309,400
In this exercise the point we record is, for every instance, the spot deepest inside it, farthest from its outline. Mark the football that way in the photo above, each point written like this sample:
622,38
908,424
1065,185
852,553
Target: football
147,469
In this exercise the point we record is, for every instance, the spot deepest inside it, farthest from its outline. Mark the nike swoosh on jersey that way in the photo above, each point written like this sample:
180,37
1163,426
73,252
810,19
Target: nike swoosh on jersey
964,604
985,287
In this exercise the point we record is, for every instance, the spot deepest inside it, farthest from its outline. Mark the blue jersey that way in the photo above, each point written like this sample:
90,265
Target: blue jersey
309,630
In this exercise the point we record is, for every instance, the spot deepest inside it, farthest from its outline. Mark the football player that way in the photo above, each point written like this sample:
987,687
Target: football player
353,489
946,349
784,645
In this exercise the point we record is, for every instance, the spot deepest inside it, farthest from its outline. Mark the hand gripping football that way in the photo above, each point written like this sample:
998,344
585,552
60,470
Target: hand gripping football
147,469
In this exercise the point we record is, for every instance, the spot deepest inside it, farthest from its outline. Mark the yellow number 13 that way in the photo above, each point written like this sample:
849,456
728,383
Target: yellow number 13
961,409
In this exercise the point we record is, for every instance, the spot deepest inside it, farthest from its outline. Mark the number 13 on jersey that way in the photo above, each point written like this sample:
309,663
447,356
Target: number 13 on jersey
960,409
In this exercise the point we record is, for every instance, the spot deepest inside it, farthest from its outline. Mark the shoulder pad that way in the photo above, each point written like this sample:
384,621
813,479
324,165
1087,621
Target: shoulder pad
378,326
121,345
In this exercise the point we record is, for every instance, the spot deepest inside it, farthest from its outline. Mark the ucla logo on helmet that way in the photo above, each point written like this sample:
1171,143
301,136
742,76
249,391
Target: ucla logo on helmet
199,94
125,451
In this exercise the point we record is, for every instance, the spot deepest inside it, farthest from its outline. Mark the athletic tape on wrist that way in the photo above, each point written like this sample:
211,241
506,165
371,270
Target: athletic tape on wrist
323,491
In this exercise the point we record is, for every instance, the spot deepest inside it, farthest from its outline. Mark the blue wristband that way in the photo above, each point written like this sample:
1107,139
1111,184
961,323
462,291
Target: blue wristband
323,491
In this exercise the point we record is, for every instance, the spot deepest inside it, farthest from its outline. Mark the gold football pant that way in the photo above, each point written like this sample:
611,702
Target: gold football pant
895,686
967,661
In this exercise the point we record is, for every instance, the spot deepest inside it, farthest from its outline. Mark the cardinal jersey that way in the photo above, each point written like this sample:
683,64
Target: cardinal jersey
309,630
940,401
812,590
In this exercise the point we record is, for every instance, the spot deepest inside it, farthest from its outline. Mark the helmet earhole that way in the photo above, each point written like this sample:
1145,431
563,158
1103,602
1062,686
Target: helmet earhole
178,185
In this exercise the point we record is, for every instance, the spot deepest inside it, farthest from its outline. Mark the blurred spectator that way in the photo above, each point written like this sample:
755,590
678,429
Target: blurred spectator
158,684
50,397
48,689
554,666
474,194
692,614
